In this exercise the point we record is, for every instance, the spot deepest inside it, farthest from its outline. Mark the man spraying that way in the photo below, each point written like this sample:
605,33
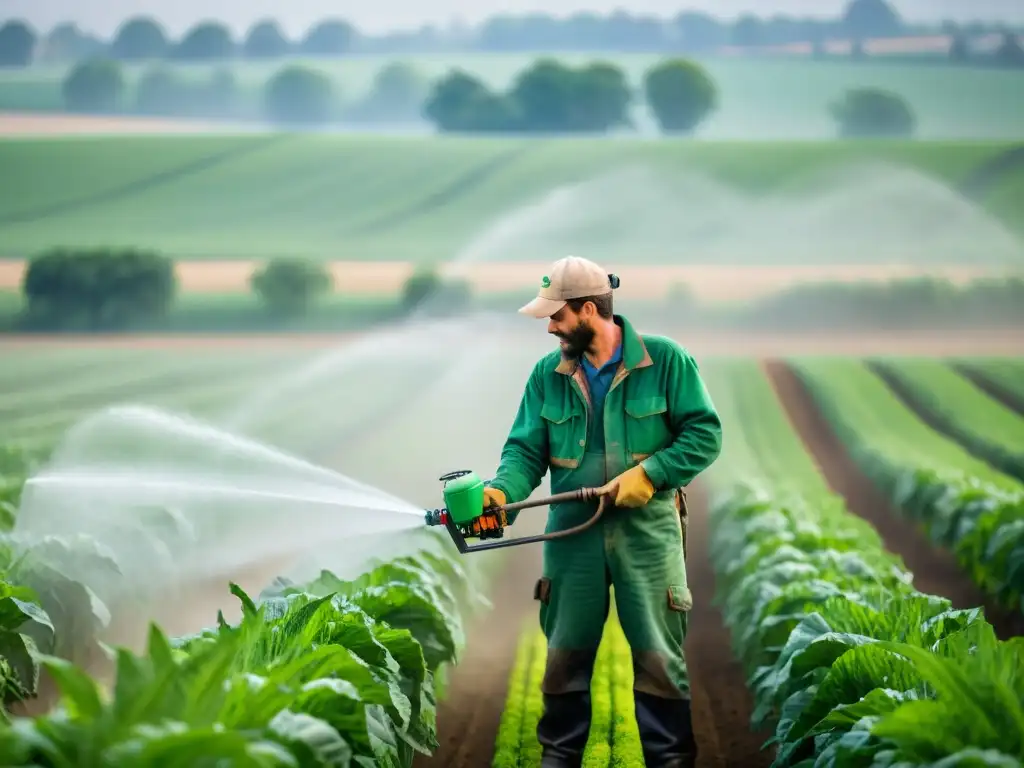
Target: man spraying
629,413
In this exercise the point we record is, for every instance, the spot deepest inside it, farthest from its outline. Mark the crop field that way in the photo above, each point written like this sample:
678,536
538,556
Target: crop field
495,210
772,98
860,532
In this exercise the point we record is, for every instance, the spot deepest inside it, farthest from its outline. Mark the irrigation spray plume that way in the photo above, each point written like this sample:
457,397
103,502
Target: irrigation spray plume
850,213
176,501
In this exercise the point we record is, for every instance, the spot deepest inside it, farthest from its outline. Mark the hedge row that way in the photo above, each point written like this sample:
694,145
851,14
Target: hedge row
104,289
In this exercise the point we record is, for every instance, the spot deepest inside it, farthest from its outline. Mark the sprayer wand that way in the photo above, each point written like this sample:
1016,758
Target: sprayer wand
464,515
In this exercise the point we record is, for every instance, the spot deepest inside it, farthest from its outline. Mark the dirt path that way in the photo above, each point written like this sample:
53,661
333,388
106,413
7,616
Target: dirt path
722,704
470,714
935,569
990,388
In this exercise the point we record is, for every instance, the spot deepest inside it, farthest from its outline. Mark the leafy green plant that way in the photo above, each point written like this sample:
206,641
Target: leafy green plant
302,679
818,610
964,503
614,736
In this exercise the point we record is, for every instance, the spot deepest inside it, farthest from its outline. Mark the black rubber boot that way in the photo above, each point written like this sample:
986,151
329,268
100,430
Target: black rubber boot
563,729
666,731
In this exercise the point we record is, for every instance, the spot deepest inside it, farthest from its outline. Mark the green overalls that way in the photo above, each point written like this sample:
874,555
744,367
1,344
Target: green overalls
657,412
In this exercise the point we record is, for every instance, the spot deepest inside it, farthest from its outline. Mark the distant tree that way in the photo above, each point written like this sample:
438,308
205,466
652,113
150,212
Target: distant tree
959,51
552,97
161,91
266,41
863,19
681,94
749,31
700,32
397,95
207,41
871,112
332,37
460,102
93,85
429,292
288,286
298,95
602,97
97,289
67,42
1009,54
139,39
17,44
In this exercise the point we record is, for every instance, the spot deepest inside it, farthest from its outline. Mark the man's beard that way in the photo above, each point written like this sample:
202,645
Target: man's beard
578,341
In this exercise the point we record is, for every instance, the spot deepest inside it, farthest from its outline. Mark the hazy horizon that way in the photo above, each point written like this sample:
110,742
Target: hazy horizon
395,15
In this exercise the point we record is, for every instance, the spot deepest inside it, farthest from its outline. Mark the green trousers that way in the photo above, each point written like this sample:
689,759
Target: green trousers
639,553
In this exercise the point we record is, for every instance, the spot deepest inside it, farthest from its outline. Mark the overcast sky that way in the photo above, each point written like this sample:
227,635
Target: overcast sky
103,16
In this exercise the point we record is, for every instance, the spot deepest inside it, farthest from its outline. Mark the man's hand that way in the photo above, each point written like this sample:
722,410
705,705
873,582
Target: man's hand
630,489
493,498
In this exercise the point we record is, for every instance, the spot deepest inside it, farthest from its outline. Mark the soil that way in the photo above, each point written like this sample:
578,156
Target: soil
35,125
721,701
469,716
935,569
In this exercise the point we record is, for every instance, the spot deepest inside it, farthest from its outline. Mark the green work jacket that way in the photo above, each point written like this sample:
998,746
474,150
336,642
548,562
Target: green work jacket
657,413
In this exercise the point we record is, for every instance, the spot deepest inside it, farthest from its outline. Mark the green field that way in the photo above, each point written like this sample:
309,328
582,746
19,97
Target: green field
760,98
428,200
810,594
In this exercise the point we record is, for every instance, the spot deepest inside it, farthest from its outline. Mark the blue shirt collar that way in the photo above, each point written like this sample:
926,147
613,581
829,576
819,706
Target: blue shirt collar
614,360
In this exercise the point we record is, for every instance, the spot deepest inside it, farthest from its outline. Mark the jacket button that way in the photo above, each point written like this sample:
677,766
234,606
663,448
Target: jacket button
583,442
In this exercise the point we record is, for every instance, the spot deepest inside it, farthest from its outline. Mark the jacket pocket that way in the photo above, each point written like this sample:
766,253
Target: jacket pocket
679,598
646,428
566,436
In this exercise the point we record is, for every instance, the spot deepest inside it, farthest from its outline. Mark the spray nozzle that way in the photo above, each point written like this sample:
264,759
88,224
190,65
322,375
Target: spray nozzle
436,516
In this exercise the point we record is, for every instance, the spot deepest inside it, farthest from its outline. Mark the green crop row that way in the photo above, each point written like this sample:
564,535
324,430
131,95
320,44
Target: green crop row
1004,375
614,738
964,503
329,673
844,657
960,410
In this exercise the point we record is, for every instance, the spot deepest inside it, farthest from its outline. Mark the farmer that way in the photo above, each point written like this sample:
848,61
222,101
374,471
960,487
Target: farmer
628,413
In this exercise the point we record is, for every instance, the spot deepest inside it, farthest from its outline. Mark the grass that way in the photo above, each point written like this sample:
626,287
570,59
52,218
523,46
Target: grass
760,97
428,199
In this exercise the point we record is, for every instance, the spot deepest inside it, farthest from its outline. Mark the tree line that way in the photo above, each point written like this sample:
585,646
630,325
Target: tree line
117,290
144,38
546,97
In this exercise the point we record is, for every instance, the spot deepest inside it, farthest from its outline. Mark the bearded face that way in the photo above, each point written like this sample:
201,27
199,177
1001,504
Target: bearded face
575,334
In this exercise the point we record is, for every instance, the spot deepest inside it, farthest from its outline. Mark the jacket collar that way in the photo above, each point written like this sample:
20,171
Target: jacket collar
634,351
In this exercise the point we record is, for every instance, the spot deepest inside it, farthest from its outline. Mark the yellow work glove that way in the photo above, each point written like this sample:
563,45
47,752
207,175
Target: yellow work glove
493,498
631,489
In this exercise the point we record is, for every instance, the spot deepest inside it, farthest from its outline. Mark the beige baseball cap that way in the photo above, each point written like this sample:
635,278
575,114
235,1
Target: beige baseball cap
570,278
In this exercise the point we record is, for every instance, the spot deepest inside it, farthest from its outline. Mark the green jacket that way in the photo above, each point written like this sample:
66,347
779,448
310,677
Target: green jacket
657,413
